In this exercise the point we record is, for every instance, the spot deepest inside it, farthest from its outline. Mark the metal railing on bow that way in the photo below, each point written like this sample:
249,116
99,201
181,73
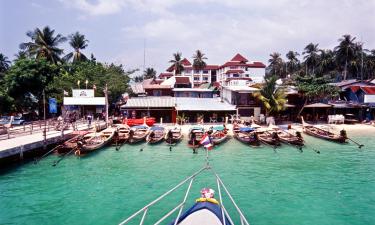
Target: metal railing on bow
181,205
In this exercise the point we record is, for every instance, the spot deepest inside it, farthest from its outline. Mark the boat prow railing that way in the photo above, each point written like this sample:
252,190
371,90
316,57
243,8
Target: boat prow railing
180,206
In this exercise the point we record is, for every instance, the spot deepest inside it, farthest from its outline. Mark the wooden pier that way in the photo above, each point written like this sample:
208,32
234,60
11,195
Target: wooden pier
19,145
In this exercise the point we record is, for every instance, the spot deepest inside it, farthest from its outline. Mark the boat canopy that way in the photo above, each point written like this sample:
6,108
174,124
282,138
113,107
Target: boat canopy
157,128
219,128
246,129
196,128
140,127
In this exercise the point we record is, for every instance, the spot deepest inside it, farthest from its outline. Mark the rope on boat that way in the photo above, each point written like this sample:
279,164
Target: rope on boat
56,162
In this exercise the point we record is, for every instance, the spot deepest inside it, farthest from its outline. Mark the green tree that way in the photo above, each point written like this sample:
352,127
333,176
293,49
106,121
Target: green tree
149,73
78,42
315,89
271,96
177,63
326,62
293,62
27,79
311,57
345,52
199,60
275,64
4,63
44,44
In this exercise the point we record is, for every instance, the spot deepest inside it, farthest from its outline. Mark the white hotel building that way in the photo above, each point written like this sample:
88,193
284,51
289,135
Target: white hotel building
236,72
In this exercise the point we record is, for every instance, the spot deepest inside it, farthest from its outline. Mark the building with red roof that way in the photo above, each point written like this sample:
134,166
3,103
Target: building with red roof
237,68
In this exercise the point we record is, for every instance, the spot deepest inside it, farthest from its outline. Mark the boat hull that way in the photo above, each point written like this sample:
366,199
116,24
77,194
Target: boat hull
203,213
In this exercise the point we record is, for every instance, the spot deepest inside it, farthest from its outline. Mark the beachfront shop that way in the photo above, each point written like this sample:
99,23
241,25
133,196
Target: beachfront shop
84,103
157,107
210,109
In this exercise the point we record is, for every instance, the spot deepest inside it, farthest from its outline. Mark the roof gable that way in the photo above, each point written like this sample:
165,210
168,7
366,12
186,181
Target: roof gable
239,58
186,62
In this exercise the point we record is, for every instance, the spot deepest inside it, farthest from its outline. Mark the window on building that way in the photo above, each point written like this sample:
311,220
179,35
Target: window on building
196,71
233,67
156,92
187,71
236,75
196,78
205,71
247,75
205,78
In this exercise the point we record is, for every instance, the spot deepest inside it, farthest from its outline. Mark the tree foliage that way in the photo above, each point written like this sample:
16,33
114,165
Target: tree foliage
271,96
44,44
177,63
199,60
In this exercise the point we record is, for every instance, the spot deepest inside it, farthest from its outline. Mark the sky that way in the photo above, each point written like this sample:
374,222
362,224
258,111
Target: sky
120,31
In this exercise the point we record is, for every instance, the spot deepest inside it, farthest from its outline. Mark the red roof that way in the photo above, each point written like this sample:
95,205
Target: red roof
369,90
239,58
216,84
161,75
249,65
182,80
185,62
234,71
354,88
211,67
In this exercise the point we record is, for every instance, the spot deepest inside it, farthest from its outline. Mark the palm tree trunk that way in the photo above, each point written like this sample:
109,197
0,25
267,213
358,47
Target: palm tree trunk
346,64
300,111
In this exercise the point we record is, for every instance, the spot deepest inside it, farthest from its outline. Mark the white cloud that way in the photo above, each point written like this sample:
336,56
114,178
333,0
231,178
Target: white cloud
221,28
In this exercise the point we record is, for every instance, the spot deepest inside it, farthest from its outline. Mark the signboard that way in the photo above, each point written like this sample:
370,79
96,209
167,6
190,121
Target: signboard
52,105
83,93
369,99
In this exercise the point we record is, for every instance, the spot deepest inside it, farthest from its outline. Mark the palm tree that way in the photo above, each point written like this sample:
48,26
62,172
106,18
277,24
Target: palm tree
276,63
78,42
4,63
149,73
311,58
293,61
345,51
199,62
44,44
326,61
177,63
21,55
272,97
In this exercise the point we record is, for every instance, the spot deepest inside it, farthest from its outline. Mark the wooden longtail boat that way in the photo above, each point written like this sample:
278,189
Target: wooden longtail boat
323,134
123,132
138,133
155,135
195,136
173,135
95,141
288,137
219,134
269,138
71,143
246,135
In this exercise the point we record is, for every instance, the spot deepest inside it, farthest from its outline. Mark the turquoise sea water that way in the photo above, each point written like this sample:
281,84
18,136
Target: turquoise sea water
282,187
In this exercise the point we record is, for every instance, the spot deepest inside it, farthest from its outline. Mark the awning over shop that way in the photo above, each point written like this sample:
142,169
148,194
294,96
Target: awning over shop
84,101
150,102
318,105
203,104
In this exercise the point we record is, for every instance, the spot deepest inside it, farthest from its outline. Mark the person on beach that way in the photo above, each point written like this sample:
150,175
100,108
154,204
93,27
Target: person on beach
89,118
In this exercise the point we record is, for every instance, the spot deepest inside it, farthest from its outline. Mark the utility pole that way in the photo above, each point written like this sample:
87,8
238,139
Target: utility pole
106,104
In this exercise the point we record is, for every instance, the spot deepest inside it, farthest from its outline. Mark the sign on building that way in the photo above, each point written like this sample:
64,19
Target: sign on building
83,93
369,99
